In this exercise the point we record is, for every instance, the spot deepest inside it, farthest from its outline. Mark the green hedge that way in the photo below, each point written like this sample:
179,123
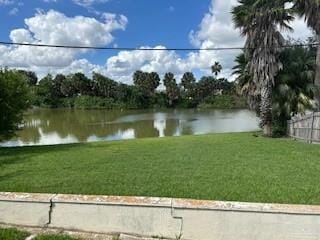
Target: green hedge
223,102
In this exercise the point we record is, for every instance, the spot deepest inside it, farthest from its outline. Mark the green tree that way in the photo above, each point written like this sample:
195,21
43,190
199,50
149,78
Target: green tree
80,83
104,86
207,86
294,89
14,100
258,21
188,89
216,68
31,77
146,82
46,92
310,9
172,89
244,82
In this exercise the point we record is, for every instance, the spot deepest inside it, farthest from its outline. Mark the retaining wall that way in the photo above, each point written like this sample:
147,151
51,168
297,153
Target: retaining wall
162,217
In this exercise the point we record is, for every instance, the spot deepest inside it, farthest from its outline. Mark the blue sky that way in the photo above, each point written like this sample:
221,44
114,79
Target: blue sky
122,23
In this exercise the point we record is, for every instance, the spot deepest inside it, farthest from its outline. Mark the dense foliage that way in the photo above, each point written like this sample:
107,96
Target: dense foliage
14,99
276,83
293,91
148,91
259,21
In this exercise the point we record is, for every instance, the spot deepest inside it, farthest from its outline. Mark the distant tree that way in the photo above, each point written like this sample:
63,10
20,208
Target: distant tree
104,86
61,88
80,83
14,100
46,91
188,89
207,86
216,68
188,82
172,88
31,77
146,82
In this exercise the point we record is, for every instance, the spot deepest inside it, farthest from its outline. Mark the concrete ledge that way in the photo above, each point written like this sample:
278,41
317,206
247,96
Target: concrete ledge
113,200
25,208
246,207
162,217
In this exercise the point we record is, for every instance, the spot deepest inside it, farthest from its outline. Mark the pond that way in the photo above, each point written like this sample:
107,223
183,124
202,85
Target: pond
61,126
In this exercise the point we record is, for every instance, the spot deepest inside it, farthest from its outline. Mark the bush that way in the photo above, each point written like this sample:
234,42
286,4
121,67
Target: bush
89,102
219,102
14,100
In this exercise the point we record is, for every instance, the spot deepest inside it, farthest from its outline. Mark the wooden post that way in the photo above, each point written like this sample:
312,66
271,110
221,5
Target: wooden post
311,129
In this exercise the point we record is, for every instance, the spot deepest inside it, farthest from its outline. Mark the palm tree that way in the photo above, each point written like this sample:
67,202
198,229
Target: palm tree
294,90
244,83
310,10
216,68
259,21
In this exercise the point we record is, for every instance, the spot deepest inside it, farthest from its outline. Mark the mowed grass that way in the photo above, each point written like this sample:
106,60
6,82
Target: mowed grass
54,237
13,234
233,167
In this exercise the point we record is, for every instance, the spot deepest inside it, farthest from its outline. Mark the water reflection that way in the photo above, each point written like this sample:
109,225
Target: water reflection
60,126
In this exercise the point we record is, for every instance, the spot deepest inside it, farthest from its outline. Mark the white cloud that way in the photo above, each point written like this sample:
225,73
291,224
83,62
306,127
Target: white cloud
55,28
125,63
87,3
6,2
14,11
215,30
300,30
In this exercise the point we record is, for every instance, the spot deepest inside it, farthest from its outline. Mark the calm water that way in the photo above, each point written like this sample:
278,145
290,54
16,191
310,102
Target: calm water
60,126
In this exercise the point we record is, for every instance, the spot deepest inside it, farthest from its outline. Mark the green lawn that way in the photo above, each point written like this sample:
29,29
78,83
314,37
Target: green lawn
55,237
235,167
13,234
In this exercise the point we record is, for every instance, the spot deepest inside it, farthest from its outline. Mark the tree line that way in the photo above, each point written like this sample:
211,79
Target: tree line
22,89
77,90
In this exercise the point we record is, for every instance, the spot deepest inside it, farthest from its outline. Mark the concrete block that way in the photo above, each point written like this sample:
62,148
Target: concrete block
207,220
25,209
134,215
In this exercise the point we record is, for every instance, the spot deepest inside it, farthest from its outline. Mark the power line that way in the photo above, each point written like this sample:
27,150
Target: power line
145,49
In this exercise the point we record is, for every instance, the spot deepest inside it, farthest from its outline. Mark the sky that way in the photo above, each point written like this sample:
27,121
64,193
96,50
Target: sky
122,23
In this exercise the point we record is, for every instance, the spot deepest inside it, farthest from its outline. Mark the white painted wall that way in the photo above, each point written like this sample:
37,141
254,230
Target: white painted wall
162,217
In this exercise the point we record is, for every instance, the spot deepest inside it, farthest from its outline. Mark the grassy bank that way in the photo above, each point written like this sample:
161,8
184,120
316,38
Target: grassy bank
235,167
13,234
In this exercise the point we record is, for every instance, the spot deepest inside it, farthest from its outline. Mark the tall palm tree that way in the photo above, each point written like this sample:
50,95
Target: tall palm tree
310,10
216,68
244,83
259,21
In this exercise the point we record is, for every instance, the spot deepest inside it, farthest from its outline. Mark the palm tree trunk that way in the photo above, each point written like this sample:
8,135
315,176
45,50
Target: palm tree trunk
266,109
317,77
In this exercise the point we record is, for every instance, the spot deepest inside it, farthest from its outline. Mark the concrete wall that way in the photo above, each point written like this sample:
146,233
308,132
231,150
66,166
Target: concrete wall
162,217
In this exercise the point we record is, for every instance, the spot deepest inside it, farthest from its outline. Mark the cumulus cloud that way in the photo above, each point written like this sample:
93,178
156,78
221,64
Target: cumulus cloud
215,30
87,3
55,28
123,65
